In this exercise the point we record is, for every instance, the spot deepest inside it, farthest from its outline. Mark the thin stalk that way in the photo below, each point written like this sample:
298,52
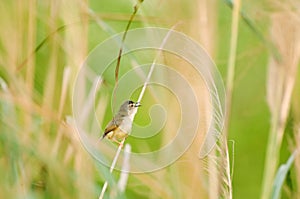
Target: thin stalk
255,30
280,86
113,164
135,9
41,44
138,101
229,90
231,61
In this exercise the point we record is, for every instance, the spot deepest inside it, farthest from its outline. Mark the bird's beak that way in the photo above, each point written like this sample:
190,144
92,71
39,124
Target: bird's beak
137,104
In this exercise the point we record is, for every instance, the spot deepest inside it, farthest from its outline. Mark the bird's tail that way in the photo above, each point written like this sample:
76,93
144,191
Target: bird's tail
102,137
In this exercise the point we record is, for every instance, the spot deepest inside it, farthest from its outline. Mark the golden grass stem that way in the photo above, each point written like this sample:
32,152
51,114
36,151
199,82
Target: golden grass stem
125,168
65,83
213,180
113,164
280,85
31,62
229,90
30,45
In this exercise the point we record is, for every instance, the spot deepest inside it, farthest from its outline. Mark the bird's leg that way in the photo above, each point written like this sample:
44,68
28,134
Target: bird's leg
120,143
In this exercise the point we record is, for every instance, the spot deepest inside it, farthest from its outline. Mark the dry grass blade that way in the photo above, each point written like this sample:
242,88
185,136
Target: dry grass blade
38,47
281,78
254,29
136,8
223,150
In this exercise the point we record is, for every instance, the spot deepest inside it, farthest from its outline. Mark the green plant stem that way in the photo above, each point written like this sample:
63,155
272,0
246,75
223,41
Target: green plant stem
229,88
231,62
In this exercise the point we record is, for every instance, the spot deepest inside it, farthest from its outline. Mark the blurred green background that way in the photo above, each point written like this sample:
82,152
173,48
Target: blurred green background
42,47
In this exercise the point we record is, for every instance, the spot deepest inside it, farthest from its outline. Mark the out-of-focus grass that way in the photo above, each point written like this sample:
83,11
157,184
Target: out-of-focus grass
40,154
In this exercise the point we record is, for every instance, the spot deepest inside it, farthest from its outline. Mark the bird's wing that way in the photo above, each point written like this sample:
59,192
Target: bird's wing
110,127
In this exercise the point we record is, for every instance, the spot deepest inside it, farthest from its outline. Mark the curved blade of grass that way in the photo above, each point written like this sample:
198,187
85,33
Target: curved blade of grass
44,41
58,30
63,27
280,176
136,8
138,101
111,31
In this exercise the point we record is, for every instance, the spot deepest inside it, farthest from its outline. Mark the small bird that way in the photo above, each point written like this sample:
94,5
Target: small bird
120,126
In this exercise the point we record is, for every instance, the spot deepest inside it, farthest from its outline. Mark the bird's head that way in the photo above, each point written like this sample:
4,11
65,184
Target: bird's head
129,107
